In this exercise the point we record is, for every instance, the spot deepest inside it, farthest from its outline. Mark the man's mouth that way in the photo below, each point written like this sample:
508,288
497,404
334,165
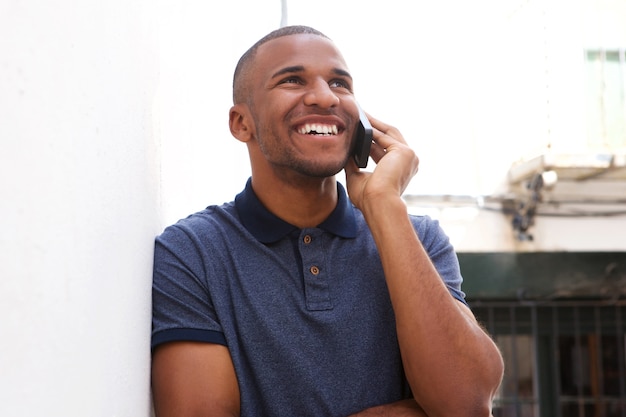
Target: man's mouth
318,129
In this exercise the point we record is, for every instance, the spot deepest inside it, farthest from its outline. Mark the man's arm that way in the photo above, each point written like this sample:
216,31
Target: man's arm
404,408
192,379
452,365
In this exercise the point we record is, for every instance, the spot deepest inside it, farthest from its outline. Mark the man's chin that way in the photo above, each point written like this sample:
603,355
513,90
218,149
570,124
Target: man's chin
324,170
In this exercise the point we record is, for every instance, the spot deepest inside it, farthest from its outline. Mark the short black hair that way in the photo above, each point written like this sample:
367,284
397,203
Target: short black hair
243,69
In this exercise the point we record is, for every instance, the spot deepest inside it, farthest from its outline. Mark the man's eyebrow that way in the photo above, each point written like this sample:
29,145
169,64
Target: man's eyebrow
300,68
288,70
342,72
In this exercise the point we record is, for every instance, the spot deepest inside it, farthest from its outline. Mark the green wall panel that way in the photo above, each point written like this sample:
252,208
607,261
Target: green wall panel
543,275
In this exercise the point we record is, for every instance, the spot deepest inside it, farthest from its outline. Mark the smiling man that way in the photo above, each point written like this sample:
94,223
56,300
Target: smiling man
297,299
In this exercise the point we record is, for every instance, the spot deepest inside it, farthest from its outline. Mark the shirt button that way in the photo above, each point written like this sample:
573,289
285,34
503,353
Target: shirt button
307,239
314,270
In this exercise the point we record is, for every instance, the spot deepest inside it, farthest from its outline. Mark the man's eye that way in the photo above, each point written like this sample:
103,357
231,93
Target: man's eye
291,80
339,84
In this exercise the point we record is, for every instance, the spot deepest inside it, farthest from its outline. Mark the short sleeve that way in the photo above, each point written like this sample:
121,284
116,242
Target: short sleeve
441,253
182,309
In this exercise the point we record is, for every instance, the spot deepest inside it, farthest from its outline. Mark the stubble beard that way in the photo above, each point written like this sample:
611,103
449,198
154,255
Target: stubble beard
286,160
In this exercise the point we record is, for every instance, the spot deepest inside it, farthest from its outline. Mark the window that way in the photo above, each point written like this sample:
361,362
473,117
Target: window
606,107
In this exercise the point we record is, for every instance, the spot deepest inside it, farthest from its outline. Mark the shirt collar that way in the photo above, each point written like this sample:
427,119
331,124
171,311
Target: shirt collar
268,228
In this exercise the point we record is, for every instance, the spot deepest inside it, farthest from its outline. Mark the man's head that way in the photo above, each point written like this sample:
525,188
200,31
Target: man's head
294,105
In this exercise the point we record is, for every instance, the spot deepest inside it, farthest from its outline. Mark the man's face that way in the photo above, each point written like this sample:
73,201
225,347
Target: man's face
303,105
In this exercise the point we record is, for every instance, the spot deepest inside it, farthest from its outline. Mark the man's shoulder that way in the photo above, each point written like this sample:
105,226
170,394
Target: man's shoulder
212,219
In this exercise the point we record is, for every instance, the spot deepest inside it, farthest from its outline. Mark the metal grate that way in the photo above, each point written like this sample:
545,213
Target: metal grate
563,359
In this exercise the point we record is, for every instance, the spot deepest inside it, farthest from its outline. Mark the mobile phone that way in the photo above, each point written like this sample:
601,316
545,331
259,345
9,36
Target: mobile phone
362,141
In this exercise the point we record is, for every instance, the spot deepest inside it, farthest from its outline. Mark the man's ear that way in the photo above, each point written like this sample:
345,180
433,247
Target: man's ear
240,122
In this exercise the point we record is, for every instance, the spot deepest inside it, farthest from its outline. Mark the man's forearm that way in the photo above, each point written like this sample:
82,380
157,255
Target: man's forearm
403,408
450,363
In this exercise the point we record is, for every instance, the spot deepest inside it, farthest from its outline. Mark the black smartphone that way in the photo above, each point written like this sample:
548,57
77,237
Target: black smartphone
362,140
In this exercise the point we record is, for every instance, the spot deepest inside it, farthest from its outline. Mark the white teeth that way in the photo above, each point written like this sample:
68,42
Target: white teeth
319,129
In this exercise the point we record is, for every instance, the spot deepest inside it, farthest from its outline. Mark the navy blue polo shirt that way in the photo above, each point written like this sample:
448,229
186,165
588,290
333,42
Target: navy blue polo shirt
305,313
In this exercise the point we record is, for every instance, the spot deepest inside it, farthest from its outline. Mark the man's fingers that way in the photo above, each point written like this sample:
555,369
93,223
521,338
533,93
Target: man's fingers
377,151
383,129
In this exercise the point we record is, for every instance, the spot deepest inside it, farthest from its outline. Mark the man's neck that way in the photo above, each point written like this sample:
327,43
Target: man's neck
303,203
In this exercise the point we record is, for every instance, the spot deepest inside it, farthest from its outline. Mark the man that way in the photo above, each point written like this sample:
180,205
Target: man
294,300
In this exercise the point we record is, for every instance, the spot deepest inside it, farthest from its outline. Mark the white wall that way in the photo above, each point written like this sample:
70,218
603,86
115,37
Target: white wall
79,206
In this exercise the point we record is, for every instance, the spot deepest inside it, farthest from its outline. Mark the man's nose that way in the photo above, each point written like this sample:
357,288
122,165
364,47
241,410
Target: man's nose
320,94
